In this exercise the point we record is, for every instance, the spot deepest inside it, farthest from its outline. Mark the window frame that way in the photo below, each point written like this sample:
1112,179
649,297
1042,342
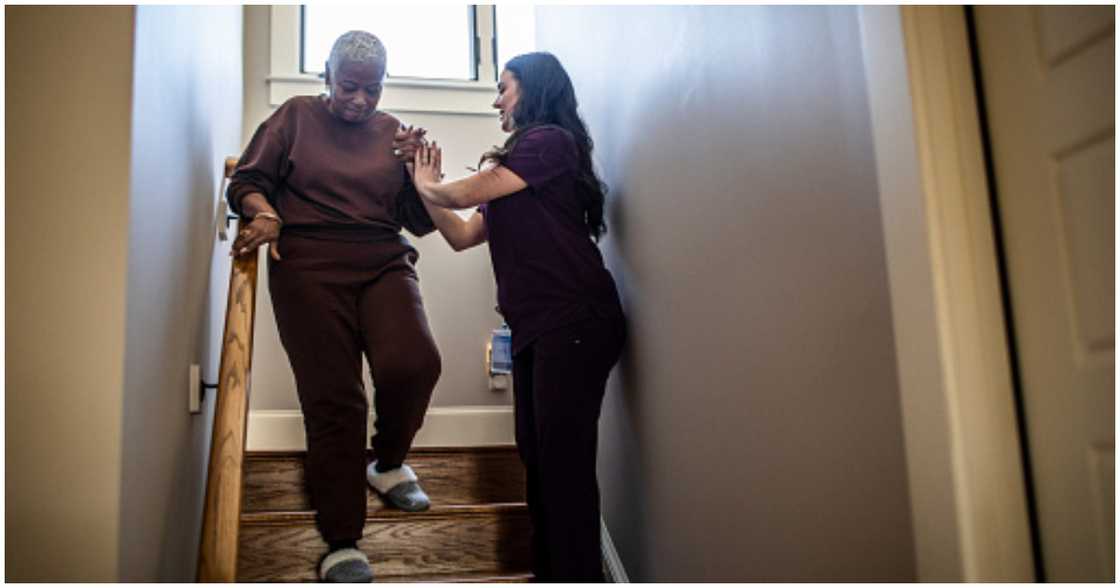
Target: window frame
286,78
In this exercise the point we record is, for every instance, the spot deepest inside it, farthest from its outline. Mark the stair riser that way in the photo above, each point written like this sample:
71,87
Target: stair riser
277,484
496,543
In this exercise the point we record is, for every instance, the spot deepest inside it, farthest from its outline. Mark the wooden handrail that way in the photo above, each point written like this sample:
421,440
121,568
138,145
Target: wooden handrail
221,518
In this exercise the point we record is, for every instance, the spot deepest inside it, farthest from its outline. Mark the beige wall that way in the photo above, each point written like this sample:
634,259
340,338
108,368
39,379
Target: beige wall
186,118
69,86
458,288
752,430
106,467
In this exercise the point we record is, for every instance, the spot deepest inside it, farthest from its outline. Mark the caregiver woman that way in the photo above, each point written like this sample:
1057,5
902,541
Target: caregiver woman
541,206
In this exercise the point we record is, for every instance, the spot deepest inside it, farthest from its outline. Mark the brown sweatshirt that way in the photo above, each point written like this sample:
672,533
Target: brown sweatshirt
328,178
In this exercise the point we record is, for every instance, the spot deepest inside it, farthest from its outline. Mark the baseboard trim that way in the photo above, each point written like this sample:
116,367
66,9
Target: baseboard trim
444,426
615,571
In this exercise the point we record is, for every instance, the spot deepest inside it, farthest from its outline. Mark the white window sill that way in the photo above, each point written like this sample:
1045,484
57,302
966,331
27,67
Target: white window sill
400,95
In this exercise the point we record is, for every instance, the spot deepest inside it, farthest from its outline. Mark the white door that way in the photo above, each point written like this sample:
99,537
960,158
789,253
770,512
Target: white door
1049,85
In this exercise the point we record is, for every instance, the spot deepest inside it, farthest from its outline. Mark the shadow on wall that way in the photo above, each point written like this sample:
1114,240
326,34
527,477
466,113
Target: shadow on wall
627,431
751,431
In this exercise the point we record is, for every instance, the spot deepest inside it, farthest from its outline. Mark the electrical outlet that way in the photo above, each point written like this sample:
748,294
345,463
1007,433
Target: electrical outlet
195,401
499,382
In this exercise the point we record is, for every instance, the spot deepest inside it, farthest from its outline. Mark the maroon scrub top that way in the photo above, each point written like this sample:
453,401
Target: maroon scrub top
550,273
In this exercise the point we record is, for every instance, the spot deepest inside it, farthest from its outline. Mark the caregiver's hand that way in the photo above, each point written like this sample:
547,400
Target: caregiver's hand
427,167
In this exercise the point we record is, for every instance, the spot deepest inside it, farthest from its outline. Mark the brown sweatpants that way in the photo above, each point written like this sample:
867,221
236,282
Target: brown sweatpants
334,301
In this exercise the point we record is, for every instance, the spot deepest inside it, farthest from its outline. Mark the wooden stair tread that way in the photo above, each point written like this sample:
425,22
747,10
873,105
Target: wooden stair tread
490,539
451,476
436,512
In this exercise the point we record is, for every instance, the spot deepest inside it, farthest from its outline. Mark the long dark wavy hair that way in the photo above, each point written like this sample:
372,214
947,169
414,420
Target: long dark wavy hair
548,98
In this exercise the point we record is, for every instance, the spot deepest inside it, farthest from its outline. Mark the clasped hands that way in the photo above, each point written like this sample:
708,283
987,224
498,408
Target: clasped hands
423,159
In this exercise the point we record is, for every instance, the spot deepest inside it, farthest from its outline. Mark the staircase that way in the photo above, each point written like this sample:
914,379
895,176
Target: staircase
477,529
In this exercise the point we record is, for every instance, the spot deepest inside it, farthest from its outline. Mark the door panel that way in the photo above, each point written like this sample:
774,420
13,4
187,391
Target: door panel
1049,84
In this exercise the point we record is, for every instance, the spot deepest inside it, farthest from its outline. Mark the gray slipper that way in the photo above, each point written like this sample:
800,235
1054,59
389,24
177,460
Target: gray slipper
408,496
346,565
399,488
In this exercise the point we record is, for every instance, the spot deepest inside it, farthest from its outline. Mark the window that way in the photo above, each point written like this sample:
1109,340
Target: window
445,48
454,69
442,49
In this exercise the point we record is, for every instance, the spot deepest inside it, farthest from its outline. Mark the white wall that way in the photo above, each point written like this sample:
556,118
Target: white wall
458,288
68,101
752,430
186,118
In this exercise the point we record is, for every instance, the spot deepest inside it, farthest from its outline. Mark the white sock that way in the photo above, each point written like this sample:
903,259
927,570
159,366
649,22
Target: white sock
384,481
336,557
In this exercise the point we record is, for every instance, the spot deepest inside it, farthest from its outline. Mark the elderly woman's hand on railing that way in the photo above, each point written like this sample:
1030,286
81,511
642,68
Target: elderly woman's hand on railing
264,228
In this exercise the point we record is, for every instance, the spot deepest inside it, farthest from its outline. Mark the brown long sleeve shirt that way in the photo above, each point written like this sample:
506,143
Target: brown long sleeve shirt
328,178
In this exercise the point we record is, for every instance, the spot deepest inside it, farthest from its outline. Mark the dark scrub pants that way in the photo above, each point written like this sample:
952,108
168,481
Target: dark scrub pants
558,383
334,301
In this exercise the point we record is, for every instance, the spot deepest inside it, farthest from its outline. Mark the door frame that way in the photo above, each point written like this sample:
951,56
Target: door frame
964,459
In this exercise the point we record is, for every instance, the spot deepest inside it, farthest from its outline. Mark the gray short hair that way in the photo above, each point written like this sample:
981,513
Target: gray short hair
356,47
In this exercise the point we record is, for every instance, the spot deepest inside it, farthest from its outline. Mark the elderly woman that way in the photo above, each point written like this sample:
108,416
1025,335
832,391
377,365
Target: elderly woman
320,186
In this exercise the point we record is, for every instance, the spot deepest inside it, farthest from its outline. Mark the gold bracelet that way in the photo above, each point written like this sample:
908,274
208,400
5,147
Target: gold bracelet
269,216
